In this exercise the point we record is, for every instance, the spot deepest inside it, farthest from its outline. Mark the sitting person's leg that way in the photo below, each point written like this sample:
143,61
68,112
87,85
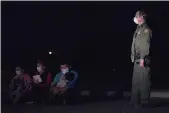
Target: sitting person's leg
39,94
55,90
17,98
29,97
45,95
58,90
16,95
55,93
69,95
62,90
35,93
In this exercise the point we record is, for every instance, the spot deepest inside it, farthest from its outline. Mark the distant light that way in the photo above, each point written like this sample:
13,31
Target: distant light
50,53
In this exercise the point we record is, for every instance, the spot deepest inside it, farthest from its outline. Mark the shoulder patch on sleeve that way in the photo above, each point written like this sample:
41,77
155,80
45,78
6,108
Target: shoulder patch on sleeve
146,30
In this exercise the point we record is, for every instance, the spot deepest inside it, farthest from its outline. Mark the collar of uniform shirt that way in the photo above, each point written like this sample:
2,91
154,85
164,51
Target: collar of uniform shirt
142,25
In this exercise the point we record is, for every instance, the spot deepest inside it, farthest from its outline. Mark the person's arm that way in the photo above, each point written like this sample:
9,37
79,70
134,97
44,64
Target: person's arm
75,78
27,81
132,50
11,85
56,79
48,81
145,43
132,46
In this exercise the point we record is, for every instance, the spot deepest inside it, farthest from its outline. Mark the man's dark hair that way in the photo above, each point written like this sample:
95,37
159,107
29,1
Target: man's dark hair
18,68
67,65
40,62
141,13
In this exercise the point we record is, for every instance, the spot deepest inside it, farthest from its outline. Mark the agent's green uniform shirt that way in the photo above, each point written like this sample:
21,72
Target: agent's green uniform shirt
141,41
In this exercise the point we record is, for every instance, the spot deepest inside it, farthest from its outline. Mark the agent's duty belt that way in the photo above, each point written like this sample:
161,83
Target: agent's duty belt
136,57
147,61
137,62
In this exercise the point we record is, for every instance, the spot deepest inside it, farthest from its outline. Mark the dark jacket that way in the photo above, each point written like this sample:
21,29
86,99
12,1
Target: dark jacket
46,79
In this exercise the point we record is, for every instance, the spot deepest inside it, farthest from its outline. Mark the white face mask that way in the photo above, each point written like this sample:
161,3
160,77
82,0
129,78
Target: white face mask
39,69
135,20
64,71
18,72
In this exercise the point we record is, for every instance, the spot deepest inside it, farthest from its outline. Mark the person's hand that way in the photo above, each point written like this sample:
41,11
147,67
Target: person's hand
141,62
132,58
35,80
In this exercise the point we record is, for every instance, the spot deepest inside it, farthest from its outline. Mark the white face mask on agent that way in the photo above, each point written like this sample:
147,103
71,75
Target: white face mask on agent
135,20
64,71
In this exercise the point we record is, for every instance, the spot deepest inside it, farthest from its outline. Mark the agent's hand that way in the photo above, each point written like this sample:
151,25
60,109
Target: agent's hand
141,62
132,58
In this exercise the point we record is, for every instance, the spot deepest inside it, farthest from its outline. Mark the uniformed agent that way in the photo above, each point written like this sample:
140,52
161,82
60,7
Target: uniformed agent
139,53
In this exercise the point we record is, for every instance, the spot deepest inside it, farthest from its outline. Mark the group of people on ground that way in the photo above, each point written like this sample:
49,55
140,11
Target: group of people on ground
40,87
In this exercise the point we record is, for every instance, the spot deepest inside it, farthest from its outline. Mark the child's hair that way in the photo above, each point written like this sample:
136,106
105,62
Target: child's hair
18,68
39,62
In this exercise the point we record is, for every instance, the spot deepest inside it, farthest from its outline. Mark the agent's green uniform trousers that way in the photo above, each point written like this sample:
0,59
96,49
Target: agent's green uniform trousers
140,84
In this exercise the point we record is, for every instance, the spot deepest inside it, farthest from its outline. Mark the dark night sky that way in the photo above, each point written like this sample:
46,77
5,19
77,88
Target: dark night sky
86,34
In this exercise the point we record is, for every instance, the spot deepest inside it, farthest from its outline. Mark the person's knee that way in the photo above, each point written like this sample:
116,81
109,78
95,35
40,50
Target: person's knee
54,91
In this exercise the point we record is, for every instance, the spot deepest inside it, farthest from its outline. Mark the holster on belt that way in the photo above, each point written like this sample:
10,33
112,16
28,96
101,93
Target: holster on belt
136,56
147,60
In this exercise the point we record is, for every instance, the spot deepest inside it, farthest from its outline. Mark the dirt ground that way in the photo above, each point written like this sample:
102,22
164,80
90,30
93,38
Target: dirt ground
120,106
